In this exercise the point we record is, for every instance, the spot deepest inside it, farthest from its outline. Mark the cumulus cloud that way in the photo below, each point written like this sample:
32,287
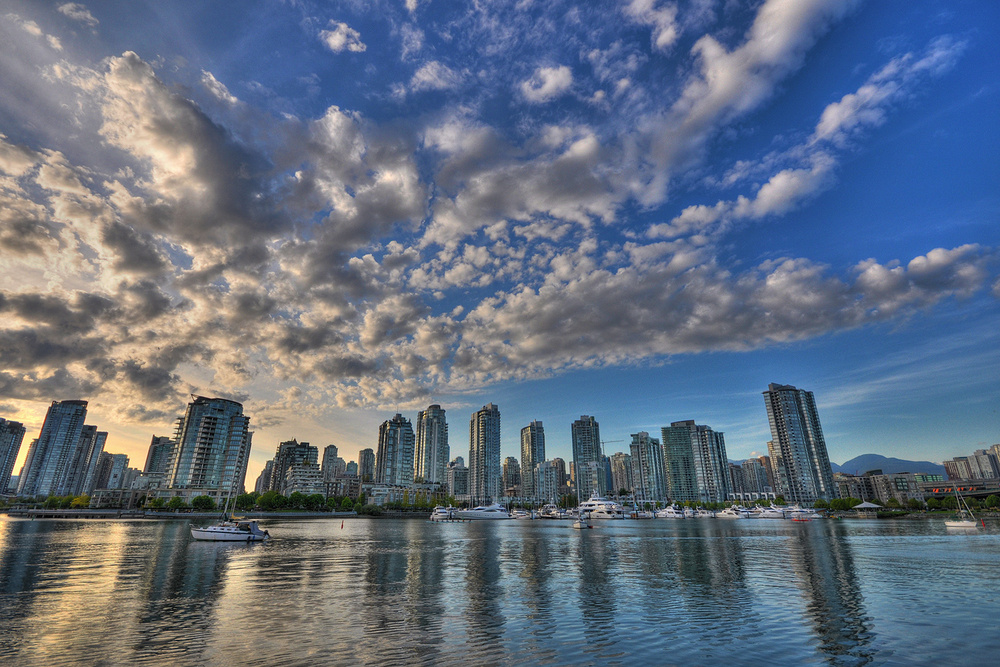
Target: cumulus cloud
332,257
547,83
663,20
78,12
341,37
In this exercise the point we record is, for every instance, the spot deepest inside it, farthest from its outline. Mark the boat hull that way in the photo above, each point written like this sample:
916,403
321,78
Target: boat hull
228,532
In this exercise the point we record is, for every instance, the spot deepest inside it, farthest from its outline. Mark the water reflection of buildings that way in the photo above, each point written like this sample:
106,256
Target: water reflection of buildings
598,592
536,590
821,562
483,616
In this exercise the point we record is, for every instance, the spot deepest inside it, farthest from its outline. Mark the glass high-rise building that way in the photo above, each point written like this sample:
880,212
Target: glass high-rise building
47,466
432,451
161,449
648,479
212,443
798,448
588,458
11,437
366,464
394,458
532,453
484,455
696,462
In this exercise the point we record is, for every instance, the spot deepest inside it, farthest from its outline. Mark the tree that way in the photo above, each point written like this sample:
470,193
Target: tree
272,500
993,500
821,504
347,505
915,504
202,504
156,503
933,503
176,503
80,502
314,502
893,503
297,500
52,502
246,501
780,500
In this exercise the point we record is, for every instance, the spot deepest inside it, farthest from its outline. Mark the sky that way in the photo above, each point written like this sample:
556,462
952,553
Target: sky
645,211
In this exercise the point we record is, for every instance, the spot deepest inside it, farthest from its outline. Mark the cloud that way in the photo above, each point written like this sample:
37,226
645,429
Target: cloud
217,88
663,20
78,12
547,83
434,76
341,37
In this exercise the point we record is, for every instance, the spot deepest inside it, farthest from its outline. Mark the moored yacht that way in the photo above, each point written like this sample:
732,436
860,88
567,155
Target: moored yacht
733,512
442,513
493,511
601,508
670,512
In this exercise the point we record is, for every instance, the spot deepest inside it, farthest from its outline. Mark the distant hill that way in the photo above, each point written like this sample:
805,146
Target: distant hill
859,465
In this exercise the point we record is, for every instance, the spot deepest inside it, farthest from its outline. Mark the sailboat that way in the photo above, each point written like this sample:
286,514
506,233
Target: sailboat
230,529
965,518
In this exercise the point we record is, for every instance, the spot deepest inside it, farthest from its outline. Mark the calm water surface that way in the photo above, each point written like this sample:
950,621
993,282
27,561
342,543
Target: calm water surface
384,592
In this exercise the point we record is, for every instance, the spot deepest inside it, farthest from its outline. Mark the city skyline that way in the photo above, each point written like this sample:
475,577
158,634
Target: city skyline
335,213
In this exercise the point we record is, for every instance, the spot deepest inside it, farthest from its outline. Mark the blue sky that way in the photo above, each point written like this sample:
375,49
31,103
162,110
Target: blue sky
644,210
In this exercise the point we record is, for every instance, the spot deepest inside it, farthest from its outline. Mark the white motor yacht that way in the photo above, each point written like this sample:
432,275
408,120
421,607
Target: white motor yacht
601,508
771,512
230,530
488,512
442,513
670,512
733,512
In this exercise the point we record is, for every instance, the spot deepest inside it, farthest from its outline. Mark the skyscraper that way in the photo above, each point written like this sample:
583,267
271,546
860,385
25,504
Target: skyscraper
82,471
161,449
366,464
212,449
333,464
532,453
290,453
511,477
798,449
484,454
587,453
695,458
648,478
432,449
11,437
394,458
50,456
621,473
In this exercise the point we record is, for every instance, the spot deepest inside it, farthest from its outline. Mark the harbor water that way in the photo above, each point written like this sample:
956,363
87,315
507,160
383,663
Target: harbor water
401,592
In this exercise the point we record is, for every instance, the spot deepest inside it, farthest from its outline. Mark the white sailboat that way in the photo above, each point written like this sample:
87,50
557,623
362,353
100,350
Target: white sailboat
230,529
965,518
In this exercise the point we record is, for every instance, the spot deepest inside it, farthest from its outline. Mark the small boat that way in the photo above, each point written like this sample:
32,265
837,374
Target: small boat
964,518
488,512
231,530
582,522
522,514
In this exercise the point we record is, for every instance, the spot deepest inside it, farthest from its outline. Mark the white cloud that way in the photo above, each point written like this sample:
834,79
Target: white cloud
434,76
662,19
547,83
78,12
342,37
217,88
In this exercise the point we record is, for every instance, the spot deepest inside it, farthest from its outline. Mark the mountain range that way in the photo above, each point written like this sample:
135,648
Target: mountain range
859,465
